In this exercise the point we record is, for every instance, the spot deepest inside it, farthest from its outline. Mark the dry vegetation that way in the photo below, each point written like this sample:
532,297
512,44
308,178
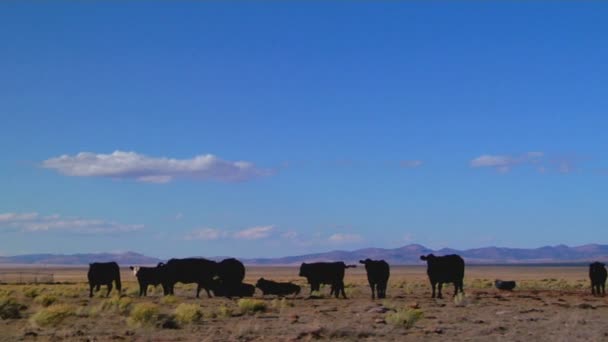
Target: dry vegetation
551,303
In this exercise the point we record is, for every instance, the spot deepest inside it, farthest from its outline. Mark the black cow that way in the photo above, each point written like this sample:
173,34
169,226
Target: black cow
597,274
231,272
270,287
103,273
444,269
325,273
504,284
240,290
147,276
378,272
190,270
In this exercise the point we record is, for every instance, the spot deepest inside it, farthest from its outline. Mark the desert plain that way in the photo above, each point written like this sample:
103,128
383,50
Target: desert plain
551,303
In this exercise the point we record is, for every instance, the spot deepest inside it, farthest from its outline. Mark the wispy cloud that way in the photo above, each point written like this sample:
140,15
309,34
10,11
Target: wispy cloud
35,223
504,163
132,165
345,238
253,233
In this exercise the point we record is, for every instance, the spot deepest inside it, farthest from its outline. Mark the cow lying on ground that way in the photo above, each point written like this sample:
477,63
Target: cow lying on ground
270,287
504,285
239,290
103,273
378,272
331,273
444,269
598,275
147,276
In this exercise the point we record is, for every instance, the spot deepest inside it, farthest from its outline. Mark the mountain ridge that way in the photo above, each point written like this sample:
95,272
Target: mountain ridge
404,255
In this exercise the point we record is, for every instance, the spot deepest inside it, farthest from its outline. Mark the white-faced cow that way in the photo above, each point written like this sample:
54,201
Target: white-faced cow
331,273
147,276
444,269
378,273
103,273
598,275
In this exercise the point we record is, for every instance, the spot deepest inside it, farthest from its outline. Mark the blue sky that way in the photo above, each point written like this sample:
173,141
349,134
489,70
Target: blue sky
269,129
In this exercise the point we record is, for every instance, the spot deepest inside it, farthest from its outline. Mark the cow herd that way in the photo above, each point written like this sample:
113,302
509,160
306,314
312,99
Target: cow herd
225,278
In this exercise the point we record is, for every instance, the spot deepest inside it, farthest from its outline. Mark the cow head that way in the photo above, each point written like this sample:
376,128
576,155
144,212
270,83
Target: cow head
366,261
260,282
427,257
303,270
134,269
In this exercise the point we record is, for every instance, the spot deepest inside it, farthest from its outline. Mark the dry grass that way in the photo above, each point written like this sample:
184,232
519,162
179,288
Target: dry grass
53,315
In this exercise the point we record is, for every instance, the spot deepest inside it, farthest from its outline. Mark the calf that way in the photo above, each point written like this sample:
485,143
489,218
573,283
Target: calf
147,276
190,270
444,269
325,273
270,287
504,285
378,272
240,290
103,273
597,275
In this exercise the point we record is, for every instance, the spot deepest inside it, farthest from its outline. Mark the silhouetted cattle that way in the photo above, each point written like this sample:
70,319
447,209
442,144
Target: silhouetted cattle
270,287
504,285
190,270
378,272
597,275
147,276
103,273
239,290
331,273
231,272
444,269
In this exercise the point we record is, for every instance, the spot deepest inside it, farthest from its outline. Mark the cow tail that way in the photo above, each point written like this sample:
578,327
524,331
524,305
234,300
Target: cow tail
118,283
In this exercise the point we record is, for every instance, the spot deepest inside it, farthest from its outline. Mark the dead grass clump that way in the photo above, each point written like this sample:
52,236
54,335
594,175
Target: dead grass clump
31,292
251,306
280,304
143,314
188,313
45,300
53,315
10,309
461,300
404,317
224,311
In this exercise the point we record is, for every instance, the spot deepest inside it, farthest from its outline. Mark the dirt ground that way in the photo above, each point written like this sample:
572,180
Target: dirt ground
550,304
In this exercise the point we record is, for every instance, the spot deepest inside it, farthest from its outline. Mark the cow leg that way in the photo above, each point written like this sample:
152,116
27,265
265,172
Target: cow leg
381,290
603,289
592,289
109,289
455,288
97,287
198,290
342,289
439,286
91,286
433,287
208,293
372,286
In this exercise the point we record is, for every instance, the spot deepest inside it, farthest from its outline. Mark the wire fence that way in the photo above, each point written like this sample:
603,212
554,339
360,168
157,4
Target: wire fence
26,277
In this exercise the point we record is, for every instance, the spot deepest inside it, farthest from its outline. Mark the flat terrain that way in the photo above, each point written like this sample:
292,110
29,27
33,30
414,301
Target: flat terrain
550,303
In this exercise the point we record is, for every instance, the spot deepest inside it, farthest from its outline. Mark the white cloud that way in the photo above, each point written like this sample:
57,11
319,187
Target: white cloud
410,164
504,163
345,238
34,222
206,234
131,165
254,233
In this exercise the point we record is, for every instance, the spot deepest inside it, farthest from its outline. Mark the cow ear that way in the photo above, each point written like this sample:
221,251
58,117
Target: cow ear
131,268
422,257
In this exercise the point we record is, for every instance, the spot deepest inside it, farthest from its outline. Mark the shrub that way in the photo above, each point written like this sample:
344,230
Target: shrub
224,311
168,300
461,300
10,309
45,300
188,313
404,317
53,315
143,314
251,306
280,304
31,292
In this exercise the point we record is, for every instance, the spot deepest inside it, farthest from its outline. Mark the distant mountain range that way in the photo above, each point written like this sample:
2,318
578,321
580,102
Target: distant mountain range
406,255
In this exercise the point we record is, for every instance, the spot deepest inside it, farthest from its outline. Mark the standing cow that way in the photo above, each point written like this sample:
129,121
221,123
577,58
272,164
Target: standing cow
190,270
331,273
147,276
597,274
103,273
444,269
378,272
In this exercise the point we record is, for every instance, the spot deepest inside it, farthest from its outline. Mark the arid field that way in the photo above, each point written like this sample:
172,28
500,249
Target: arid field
550,304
